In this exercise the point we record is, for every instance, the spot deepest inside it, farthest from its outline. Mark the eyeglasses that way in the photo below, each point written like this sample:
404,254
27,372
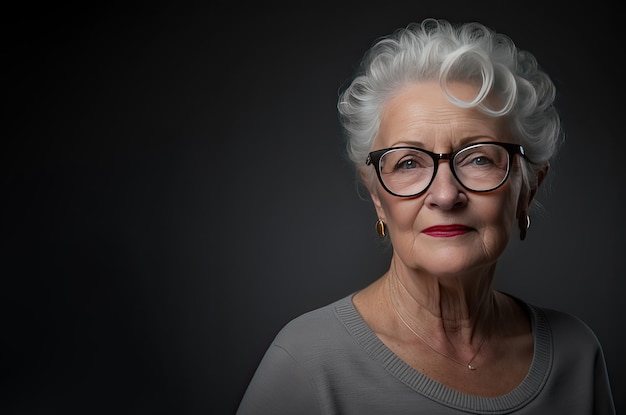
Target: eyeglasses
478,167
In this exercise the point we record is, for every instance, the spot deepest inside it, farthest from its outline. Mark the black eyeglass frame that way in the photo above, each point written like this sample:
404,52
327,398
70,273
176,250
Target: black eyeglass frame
374,157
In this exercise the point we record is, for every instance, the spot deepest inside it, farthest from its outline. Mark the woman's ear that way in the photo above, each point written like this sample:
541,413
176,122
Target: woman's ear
526,197
541,175
529,192
373,191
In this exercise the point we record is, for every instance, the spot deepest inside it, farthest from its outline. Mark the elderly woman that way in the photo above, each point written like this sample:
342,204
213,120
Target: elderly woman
451,129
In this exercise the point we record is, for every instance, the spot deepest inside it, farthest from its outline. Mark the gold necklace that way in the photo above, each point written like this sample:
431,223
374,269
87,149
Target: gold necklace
468,365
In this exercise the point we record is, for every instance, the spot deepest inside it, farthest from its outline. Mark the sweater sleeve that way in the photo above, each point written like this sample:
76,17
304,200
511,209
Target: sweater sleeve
579,366
279,386
603,398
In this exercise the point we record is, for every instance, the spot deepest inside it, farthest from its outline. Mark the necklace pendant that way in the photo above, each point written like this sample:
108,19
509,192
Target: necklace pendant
470,367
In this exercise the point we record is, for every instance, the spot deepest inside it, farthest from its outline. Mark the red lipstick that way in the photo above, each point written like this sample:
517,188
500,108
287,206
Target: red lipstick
446,231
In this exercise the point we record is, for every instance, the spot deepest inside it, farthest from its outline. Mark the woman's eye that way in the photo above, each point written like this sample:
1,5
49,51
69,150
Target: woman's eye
473,160
481,161
407,164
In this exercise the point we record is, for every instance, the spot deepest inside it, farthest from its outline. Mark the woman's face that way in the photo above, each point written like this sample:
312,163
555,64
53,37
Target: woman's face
447,229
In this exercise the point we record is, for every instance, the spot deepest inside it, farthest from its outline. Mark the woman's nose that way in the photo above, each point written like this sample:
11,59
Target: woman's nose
445,191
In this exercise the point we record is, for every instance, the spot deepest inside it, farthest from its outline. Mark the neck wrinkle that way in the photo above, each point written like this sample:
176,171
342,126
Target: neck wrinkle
459,312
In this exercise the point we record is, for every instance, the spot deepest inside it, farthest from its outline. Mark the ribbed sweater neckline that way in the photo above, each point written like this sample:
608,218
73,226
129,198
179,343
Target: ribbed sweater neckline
524,393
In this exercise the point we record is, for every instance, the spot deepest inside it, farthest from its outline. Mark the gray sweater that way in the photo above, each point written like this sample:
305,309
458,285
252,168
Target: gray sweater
328,361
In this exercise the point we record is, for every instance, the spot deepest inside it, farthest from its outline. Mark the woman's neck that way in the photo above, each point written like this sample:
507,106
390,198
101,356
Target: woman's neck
459,309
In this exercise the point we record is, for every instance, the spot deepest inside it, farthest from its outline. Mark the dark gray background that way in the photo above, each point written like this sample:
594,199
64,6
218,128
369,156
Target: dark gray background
173,191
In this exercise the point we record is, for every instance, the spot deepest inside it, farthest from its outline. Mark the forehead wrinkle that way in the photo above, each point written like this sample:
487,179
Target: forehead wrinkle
421,115
430,128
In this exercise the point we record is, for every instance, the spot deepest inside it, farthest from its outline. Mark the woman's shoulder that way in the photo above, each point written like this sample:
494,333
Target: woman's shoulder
566,326
314,327
553,322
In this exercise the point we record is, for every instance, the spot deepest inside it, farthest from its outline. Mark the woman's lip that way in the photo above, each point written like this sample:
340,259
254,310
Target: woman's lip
446,231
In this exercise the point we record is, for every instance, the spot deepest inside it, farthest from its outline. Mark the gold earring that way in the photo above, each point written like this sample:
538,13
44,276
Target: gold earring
380,228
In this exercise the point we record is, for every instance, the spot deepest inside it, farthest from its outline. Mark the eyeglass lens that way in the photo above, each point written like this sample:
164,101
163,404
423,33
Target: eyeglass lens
481,167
